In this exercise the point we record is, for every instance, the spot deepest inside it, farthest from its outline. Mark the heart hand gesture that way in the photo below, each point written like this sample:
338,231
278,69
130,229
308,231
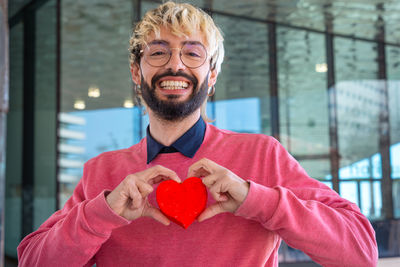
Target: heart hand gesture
228,189
129,198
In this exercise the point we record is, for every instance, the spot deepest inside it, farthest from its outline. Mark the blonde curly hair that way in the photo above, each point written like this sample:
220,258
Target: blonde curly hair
182,19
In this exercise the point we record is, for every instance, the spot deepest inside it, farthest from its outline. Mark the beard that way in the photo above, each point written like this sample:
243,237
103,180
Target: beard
170,109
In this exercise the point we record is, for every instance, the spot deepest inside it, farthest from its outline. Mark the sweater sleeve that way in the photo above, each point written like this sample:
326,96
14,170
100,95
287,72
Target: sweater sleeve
309,216
73,235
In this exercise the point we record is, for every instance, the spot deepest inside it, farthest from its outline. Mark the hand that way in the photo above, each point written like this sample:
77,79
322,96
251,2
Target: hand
228,189
129,198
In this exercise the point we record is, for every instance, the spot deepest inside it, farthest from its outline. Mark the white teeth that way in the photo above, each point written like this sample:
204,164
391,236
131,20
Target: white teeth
174,85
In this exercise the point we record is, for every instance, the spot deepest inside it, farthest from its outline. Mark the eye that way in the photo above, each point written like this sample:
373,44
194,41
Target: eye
157,53
192,54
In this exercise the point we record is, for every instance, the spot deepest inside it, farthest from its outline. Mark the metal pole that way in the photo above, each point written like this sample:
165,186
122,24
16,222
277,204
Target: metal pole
384,124
273,80
28,123
332,105
58,95
4,67
332,111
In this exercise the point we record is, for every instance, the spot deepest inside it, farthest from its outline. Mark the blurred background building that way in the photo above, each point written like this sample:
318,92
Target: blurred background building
323,77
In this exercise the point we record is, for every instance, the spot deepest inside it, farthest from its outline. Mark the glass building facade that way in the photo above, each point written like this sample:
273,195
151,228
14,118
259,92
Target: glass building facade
326,87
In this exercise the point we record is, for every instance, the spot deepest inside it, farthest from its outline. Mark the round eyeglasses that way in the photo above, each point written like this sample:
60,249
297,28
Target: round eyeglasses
192,55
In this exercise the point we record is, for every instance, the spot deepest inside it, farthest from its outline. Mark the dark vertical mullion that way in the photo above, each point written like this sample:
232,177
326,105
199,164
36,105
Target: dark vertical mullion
384,125
371,188
273,80
384,139
4,107
360,204
137,10
28,122
58,94
332,111
208,7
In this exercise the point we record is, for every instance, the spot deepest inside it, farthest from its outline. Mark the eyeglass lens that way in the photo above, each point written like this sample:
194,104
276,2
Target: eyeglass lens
192,55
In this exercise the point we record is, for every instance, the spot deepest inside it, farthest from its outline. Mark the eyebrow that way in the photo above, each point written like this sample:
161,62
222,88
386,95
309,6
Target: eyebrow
163,42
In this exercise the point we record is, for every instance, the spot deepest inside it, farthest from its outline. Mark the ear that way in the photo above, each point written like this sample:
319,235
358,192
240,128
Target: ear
213,77
135,71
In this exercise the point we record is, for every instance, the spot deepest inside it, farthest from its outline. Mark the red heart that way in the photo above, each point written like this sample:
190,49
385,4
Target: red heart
182,202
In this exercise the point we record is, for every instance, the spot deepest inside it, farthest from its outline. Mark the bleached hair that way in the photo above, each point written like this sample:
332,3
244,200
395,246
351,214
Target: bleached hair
182,19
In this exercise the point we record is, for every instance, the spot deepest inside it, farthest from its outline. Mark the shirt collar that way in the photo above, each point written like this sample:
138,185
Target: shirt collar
187,144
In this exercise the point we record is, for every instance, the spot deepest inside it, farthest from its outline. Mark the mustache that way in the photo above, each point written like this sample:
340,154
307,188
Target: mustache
156,78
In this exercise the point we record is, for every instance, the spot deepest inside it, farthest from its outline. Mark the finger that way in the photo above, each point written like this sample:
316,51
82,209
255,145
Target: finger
211,211
200,172
217,191
220,197
162,173
210,180
144,188
135,195
201,168
156,215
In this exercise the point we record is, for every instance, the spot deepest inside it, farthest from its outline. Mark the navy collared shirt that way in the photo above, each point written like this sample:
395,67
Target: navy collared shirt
187,144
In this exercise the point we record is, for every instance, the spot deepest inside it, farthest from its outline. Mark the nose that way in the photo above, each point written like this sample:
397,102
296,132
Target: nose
175,63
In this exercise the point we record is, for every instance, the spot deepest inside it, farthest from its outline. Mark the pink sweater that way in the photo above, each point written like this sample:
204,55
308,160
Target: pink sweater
283,203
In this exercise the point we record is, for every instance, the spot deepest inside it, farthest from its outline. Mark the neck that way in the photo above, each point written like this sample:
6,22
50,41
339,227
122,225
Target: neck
167,132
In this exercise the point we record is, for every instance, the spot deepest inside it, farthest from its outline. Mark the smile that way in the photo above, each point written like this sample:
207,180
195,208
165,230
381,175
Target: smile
174,85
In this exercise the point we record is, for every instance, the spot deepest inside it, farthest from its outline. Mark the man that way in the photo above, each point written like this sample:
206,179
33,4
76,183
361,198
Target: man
258,194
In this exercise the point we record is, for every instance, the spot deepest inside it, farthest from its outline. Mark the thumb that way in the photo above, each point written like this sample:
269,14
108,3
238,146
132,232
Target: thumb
211,211
156,215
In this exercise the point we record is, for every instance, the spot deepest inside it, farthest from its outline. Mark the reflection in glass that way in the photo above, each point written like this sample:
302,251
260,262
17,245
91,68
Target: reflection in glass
358,98
393,73
13,172
361,99
244,72
15,6
45,110
396,198
349,191
238,115
316,168
371,201
94,52
95,84
303,98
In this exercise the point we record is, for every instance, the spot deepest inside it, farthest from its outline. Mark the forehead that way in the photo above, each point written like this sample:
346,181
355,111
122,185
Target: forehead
177,37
